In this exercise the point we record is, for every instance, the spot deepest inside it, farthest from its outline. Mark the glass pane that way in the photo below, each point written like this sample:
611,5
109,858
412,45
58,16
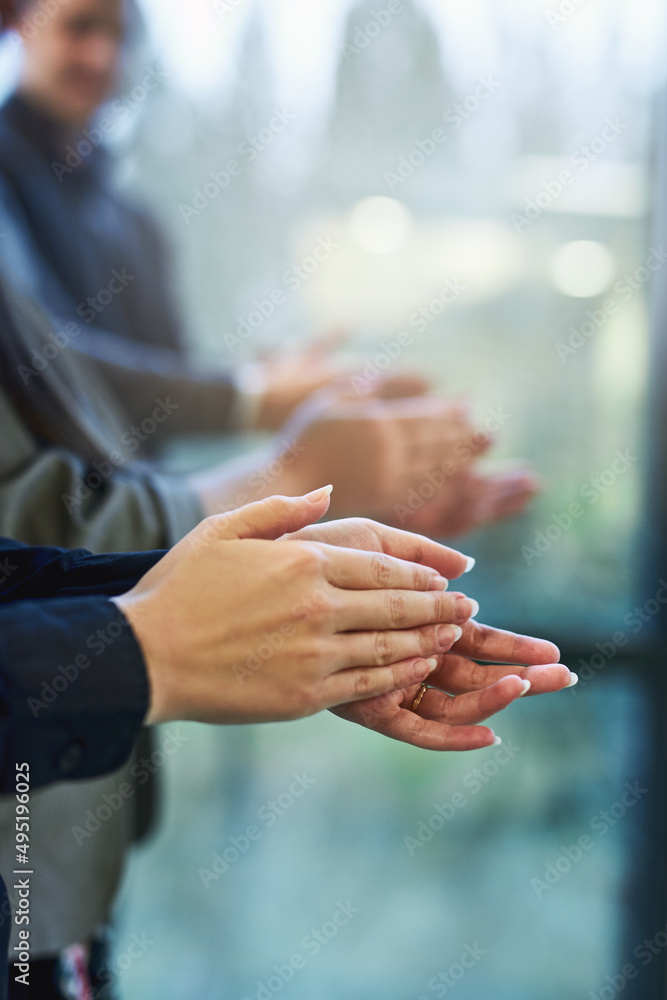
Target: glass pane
464,189
373,868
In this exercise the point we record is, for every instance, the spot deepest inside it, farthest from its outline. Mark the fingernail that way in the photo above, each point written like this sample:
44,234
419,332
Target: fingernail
447,634
440,583
318,495
432,663
496,741
574,679
526,687
465,608
470,563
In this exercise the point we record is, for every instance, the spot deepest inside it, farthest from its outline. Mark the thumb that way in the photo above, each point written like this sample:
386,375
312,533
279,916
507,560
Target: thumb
274,516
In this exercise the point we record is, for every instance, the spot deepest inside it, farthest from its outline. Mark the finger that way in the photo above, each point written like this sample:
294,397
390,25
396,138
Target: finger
399,609
382,648
502,496
448,562
353,569
466,709
401,386
458,675
408,727
268,518
431,735
360,683
482,642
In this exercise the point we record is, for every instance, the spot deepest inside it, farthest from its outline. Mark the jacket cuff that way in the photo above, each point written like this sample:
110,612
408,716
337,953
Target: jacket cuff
73,689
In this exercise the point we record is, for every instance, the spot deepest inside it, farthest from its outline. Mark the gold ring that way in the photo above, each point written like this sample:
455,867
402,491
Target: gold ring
420,694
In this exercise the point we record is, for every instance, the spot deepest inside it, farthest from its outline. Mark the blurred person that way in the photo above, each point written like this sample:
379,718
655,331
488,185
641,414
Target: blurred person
74,236
67,474
72,461
189,618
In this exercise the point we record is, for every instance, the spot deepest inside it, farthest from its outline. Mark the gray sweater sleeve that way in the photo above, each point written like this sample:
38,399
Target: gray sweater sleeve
50,496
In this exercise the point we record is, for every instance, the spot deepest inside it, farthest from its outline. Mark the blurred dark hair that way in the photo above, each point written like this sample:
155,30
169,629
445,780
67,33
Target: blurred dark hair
8,10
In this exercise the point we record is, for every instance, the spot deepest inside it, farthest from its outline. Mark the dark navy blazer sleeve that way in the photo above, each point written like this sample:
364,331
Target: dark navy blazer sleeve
73,683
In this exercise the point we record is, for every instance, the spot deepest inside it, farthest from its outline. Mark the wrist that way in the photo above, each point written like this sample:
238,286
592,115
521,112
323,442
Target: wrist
159,701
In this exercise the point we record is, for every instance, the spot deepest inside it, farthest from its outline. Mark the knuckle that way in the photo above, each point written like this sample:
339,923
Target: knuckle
478,677
417,554
325,612
422,578
303,702
363,685
383,648
397,608
442,606
309,558
381,570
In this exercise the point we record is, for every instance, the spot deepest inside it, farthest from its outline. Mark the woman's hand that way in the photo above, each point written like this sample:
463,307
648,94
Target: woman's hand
238,628
462,693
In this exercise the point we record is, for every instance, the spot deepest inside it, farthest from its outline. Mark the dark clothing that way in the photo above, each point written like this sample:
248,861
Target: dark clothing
107,255
73,683
99,270
56,622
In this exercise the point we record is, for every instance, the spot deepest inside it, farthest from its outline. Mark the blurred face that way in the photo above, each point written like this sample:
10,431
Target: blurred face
72,59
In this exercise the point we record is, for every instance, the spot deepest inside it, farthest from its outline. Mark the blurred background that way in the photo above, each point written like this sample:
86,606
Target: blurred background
481,176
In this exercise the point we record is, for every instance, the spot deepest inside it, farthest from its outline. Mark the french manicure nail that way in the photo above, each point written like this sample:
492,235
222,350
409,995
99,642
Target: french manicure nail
526,687
475,608
458,632
432,662
470,563
496,741
574,679
318,495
